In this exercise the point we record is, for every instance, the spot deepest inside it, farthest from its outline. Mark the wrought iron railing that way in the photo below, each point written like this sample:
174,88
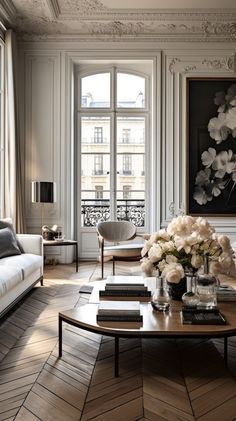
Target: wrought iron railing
94,211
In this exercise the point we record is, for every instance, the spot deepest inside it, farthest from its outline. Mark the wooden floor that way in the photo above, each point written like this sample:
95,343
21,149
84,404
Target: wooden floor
160,380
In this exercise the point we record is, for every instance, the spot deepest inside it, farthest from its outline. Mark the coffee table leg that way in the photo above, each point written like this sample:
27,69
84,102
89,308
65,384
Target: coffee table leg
226,350
60,335
116,356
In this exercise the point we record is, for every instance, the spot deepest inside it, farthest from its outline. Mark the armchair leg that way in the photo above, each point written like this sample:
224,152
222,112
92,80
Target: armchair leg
102,258
102,268
113,266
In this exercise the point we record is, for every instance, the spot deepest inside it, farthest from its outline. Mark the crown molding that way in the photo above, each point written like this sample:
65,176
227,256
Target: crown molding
142,31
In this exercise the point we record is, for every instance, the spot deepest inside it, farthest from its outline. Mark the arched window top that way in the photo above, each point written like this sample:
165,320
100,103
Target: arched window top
95,91
130,90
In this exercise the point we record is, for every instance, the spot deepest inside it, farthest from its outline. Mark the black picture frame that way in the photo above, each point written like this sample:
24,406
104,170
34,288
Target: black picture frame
201,108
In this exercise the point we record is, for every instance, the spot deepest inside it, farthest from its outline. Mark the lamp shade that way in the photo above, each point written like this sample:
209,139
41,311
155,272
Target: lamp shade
43,192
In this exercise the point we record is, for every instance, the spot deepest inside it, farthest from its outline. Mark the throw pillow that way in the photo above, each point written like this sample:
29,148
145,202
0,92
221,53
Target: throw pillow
8,244
6,223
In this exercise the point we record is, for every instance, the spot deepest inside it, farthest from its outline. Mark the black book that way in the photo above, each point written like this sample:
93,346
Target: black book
203,317
124,293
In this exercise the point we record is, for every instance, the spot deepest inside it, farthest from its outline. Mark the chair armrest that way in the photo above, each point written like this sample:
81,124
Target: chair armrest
31,243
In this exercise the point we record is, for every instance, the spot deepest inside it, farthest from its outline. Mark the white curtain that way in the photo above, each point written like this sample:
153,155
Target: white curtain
13,186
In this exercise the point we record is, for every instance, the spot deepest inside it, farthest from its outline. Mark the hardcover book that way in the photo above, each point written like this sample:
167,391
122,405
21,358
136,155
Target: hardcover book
119,308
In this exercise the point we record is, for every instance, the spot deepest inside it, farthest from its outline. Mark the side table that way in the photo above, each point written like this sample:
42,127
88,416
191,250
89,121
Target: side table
52,243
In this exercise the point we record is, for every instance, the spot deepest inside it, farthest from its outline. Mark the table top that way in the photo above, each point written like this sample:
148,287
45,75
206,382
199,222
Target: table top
155,323
59,242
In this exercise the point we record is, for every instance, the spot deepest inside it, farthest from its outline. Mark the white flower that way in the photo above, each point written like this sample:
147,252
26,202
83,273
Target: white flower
163,235
168,246
224,242
196,261
231,118
201,196
189,240
173,272
155,253
208,157
147,266
218,129
181,226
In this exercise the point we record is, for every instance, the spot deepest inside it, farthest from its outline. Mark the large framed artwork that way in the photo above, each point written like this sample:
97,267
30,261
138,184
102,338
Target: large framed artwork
211,146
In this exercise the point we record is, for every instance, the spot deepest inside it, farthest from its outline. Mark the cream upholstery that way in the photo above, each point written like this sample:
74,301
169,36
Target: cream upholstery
116,232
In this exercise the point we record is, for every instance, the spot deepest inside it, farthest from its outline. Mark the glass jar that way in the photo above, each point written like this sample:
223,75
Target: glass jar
191,297
207,287
160,298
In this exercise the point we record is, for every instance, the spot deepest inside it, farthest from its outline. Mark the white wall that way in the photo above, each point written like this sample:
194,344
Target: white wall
47,112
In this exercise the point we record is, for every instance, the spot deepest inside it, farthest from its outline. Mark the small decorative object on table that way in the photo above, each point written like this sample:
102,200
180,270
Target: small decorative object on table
191,297
161,298
207,287
181,247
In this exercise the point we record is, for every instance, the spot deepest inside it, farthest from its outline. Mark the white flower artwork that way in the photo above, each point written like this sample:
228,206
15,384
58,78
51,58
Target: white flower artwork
219,168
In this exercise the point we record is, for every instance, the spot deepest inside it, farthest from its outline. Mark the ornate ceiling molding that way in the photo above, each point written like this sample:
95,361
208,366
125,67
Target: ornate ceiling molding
180,65
92,20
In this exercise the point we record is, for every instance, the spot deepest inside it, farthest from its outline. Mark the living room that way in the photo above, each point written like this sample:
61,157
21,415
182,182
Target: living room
116,106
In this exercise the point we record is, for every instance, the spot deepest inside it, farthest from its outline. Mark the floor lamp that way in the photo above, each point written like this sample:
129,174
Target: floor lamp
43,192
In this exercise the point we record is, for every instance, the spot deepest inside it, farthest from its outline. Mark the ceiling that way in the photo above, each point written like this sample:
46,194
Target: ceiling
214,19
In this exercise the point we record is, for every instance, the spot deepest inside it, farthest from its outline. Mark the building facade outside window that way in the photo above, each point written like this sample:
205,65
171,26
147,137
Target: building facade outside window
126,192
98,164
98,192
127,164
98,134
126,135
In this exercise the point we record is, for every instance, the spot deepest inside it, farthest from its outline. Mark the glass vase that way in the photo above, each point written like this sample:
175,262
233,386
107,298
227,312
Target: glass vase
160,297
191,297
206,287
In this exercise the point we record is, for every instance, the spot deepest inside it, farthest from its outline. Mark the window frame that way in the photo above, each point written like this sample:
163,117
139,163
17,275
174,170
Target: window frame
2,122
113,113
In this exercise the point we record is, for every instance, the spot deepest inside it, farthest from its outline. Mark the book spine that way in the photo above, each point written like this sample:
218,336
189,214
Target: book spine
120,318
125,288
120,284
122,293
116,313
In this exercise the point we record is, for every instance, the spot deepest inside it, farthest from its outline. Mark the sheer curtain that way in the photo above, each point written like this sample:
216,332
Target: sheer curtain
13,184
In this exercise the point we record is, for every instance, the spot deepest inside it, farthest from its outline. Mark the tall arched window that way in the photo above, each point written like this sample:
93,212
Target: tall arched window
1,124
113,114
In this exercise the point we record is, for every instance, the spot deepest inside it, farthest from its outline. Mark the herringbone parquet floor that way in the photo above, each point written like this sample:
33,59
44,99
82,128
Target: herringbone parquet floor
160,380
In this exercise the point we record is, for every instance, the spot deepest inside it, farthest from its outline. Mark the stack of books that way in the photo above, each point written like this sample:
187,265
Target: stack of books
116,311
226,293
124,289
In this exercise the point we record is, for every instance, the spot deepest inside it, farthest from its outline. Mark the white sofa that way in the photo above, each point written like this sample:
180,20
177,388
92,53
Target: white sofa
18,274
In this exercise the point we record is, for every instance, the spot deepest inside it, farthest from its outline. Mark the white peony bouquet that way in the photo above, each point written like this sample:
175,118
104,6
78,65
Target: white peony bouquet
181,247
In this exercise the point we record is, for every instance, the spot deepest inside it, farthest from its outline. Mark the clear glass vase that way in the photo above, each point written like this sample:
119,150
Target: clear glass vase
160,297
207,287
191,297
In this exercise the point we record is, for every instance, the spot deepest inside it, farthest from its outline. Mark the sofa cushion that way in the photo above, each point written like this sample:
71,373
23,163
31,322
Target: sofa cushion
27,262
7,223
9,277
8,244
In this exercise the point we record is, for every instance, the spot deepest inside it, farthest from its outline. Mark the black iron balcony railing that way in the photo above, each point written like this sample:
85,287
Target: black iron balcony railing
94,211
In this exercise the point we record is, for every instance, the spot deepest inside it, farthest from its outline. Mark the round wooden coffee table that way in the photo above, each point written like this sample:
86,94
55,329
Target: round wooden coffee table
155,324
